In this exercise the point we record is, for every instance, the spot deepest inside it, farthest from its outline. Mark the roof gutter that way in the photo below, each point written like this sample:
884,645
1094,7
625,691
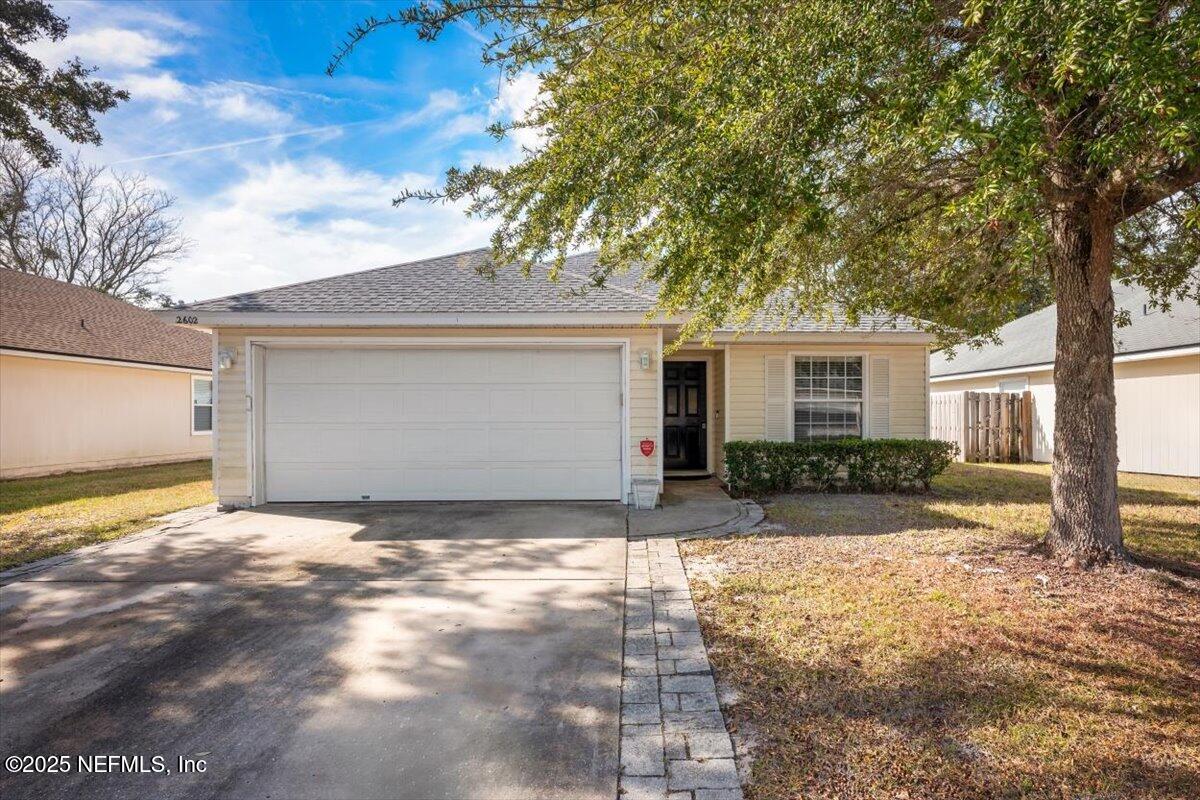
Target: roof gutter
567,319
1121,358
108,362
783,337
273,319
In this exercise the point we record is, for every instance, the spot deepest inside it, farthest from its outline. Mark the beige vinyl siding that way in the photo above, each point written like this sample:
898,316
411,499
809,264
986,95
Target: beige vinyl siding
1158,427
908,400
59,415
1158,415
232,455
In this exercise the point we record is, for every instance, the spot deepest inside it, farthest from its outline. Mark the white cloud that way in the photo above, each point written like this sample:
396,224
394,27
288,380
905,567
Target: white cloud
230,101
294,220
517,96
106,47
513,102
160,86
234,103
461,125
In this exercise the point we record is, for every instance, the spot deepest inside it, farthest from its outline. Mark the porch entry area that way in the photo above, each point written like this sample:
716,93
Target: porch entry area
685,417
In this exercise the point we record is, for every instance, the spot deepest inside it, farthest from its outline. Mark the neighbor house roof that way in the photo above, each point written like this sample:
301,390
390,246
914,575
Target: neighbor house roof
1029,340
452,284
47,316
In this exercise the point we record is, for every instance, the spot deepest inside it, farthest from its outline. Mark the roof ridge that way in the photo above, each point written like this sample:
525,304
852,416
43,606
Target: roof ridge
340,275
614,287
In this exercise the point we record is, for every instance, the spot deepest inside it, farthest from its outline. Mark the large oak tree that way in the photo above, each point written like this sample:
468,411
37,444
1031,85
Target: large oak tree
930,158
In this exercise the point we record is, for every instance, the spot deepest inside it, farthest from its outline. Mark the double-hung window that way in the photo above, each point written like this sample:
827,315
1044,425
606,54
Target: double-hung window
828,397
202,405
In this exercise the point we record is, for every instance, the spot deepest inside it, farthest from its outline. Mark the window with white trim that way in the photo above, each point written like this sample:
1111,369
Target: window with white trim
1014,385
202,405
828,397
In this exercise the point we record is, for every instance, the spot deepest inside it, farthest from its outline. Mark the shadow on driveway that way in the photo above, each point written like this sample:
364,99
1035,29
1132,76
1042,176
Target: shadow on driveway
368,651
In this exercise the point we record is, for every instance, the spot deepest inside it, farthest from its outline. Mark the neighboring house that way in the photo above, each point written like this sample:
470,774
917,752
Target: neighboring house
89,382
1156,368
427,381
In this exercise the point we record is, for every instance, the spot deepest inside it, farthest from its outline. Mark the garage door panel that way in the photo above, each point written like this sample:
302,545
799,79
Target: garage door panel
592,479
548,443
290,444
421,443
552,403
379,446
510,404
463,444
397,424
509,366
292,366
380,365
598,366
379,403
596,442
330,369
420,405
464,404
511,443
596,404
298,483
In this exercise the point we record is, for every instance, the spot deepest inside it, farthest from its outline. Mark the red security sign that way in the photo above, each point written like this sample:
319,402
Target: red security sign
647,447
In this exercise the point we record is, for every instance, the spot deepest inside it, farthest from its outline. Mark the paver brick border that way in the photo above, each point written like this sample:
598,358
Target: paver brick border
674,744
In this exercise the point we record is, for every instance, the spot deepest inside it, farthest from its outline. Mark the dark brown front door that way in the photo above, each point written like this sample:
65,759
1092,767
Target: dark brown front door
685,434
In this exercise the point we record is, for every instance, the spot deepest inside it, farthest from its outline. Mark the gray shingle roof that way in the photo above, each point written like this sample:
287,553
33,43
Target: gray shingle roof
446,284
1030,340
452,284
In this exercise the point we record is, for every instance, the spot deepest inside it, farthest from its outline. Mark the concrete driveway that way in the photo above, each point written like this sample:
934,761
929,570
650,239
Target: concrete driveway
432,650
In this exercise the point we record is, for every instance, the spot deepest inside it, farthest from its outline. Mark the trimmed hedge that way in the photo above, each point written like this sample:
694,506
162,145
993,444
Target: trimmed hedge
859,465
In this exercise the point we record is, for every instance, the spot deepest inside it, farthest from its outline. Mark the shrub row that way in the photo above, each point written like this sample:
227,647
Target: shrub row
859,465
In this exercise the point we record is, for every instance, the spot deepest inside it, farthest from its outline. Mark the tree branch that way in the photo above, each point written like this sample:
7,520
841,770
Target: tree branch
1140,195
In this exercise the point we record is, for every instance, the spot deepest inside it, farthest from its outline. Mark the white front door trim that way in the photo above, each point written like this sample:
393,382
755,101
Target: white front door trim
255,345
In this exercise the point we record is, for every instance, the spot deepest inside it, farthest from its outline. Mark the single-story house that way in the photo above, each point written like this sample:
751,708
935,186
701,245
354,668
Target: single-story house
1156,370
89,382
428,381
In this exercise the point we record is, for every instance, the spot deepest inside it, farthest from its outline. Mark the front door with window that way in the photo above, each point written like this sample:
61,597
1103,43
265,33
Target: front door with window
685,431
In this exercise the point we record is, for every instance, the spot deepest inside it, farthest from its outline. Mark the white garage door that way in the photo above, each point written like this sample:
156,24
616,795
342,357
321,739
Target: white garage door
442,424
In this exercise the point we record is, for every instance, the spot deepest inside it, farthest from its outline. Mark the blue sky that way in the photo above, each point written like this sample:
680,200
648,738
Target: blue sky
281,172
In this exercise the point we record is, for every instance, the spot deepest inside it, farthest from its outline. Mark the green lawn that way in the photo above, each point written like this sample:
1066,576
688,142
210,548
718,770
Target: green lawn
42,517
916,646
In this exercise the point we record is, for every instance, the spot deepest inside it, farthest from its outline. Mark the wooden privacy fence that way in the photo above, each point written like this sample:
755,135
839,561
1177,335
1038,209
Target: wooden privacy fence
987,426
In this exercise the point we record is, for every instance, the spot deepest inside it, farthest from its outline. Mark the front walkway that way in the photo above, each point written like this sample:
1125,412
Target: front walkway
674,745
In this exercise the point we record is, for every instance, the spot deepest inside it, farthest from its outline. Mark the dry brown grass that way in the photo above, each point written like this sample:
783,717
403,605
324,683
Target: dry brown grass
42,517
914,646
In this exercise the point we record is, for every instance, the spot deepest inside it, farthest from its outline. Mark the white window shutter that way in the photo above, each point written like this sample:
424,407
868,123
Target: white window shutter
776,400
881,397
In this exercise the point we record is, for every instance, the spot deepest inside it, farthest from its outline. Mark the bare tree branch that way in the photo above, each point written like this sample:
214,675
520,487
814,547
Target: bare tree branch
86,225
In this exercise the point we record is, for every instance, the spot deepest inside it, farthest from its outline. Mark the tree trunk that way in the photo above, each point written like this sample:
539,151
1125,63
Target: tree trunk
1085,521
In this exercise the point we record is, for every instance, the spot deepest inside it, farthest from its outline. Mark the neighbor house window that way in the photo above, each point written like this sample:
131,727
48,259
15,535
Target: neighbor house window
828,397
202,405
1015,385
